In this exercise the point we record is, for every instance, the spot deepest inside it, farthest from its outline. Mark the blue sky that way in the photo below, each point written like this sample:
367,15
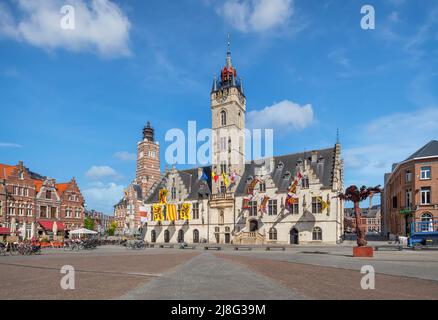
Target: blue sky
74,104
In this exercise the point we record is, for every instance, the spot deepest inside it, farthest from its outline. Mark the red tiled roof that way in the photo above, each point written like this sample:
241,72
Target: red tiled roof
5,231
38,184
6,170
48,225
61,187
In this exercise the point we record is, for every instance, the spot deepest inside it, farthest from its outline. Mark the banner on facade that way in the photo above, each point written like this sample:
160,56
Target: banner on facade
162,197
158,212
143,214
171,212
185,211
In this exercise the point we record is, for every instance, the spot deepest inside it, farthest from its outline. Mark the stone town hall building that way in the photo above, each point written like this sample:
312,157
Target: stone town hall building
262,205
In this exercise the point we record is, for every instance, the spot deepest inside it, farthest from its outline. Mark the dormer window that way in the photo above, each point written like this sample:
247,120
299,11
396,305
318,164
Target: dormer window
249,179
287,175
21,175
280,165
305,183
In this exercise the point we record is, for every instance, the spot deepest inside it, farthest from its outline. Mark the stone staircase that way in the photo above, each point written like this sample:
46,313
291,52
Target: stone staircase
249,238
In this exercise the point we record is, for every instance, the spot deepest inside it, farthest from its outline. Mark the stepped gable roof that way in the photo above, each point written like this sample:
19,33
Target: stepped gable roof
191,182
137,189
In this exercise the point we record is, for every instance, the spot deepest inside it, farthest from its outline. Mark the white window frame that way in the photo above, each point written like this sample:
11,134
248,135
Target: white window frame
425,173
426,192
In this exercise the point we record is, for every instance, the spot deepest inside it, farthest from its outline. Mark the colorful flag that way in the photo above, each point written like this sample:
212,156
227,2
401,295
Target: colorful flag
324,204
264,204
214,176
158,212
293,187
204,176
143,214
252,186
290,201
171,212
245,204
233,176
162,198
225,178
185,211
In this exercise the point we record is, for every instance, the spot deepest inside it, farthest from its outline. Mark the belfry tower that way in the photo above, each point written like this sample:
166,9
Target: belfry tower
228,107
148,160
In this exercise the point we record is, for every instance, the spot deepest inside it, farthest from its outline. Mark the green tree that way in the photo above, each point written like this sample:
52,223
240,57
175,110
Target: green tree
112,228
89,223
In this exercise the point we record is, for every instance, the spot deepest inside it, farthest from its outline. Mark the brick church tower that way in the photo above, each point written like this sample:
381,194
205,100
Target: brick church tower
148,160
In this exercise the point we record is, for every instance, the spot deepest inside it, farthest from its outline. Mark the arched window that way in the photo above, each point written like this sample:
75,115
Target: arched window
153,236
166,236
317,234
426,222
272,234
195,236
180,236
223,118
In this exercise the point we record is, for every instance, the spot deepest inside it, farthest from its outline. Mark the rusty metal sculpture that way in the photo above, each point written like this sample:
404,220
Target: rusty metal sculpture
357,195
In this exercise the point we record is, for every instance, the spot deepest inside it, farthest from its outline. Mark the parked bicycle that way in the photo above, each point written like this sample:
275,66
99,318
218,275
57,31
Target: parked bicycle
3,248
71,245
135,245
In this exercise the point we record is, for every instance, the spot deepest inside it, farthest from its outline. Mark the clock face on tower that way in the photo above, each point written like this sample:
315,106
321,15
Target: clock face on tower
222,96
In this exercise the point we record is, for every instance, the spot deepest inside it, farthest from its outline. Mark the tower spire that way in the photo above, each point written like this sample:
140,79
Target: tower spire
229,64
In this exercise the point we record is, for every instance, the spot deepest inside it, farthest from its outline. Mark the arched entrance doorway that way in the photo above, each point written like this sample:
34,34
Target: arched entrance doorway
227,235
153,236
166,236
294,236
253,226
180,236
195,236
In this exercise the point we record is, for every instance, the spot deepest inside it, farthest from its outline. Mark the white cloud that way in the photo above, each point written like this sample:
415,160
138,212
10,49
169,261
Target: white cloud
9,145
256,15
103,197
285,115
99,172
125,156
100,26
388,140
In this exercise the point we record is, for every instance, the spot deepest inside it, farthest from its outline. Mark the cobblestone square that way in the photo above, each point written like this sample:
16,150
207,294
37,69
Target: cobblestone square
113,272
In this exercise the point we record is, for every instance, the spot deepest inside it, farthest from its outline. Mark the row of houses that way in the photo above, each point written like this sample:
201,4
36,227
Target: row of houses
30,204
101,222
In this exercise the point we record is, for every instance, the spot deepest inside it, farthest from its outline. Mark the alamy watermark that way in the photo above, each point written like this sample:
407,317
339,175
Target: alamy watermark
368,21
368,281
68,281
216,146
68,20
